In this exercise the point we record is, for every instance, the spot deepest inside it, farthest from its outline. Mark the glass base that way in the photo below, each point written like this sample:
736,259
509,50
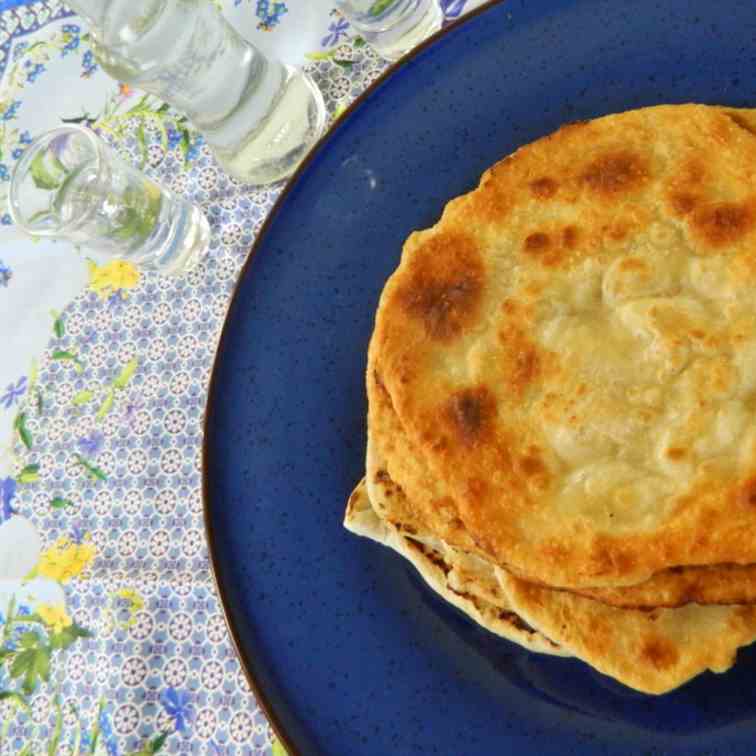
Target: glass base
391,44
188,243
194,245
282,140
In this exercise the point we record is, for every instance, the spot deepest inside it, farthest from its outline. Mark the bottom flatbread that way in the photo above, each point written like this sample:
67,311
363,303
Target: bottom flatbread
652,651
471,587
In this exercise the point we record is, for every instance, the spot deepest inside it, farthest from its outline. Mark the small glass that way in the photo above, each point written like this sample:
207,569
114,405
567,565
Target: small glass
69,184
393,27
259,117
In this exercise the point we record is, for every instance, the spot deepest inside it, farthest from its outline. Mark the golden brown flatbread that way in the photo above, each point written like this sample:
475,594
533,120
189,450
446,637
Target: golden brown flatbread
468,585
720,584
651,651
390,454
571,353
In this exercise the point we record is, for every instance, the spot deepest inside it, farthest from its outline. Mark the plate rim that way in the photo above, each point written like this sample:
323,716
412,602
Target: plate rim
265,704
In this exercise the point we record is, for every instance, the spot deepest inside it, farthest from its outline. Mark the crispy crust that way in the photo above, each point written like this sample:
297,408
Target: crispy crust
651,651
720,584
571,353
472,589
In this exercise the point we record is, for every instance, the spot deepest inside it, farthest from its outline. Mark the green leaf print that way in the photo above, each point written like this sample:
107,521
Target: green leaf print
9,613
66,356
358,42
151,746
33,664
60,503
86,118
29,639
142,141
141,208
27,619
320,55
82,397
47,171
157,743
16,698
132,225
33,388
93,471
23,432
94,736
77,733
379,6
52,746
106,405
68,636
58,327
123,378
184,145
30,474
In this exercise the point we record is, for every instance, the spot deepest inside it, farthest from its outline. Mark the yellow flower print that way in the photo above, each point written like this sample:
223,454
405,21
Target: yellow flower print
54,616
65,560
116,608
135,602
130,595
112,277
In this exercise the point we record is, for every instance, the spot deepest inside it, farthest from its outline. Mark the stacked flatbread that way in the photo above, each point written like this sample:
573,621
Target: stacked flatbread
562,396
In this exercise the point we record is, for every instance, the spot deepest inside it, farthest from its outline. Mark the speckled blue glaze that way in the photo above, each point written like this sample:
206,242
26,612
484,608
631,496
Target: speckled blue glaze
353,655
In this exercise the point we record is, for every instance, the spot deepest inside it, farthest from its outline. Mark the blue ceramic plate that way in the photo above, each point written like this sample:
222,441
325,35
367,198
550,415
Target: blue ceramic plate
348,651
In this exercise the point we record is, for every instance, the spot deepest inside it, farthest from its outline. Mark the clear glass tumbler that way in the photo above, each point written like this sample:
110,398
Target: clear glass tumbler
259,116
69,184
393,27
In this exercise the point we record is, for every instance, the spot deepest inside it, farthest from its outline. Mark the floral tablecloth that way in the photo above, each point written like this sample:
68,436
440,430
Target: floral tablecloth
112,639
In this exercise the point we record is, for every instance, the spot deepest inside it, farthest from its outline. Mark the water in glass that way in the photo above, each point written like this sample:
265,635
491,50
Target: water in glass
259,116
70,185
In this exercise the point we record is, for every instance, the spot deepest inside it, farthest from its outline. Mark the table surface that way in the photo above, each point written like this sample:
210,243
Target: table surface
112,639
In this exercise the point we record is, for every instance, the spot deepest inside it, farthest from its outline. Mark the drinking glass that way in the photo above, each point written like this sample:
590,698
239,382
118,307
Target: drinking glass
393,27
69,184
259,116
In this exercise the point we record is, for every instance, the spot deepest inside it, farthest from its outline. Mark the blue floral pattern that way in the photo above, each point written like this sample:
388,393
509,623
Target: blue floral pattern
5,275
91,444
29,63
71,38
7,492
88,64
11,110
127,650
338,30
179,708
13,393
269,12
